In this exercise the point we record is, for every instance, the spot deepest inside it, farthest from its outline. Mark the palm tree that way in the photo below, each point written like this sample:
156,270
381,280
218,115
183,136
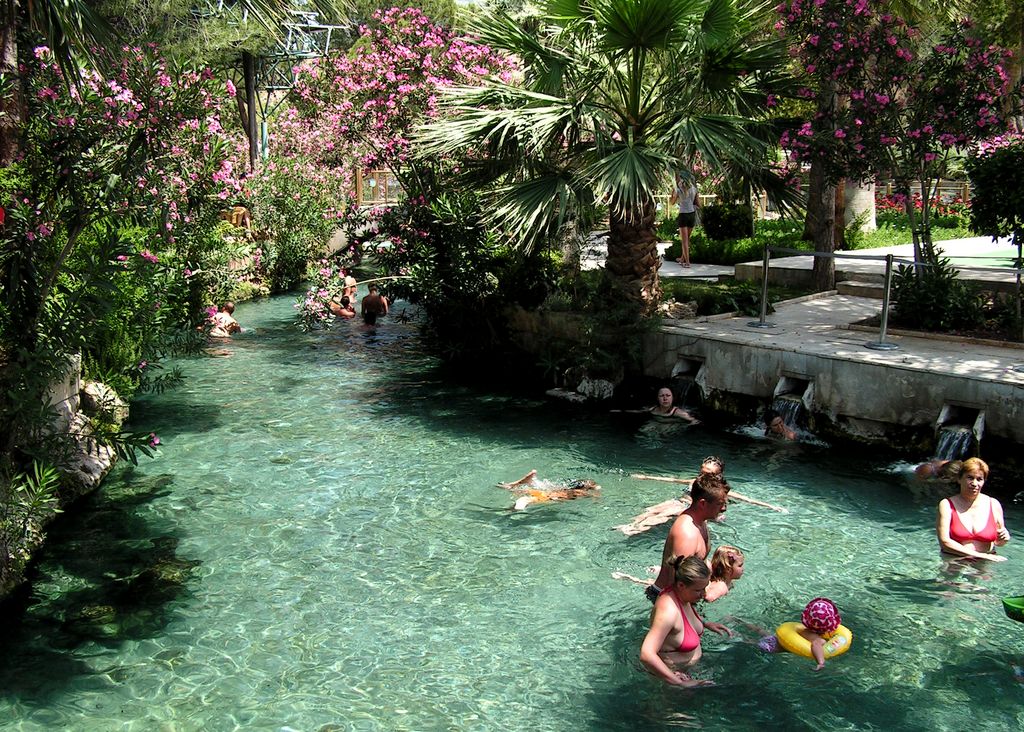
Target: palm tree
613,96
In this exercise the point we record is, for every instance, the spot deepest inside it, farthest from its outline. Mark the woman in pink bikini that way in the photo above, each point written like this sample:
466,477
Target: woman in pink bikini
971,524
673,642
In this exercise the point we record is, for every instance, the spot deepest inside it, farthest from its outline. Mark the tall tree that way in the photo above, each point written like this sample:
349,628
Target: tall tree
614,95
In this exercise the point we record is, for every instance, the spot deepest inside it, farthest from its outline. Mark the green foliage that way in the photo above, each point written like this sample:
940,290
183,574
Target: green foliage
997,182
444,260
27,500
102,215
934,299
713,298
723,221
614,95
294,219
788,233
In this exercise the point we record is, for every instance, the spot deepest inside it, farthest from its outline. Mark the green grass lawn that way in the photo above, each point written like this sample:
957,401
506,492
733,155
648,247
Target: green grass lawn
788,233
988,258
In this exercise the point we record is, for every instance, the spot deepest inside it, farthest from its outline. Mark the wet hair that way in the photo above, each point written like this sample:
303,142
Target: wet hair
345,301
715,461
373,288
710,487
583,484
228,307
972,465
687,570
725,560
769,417
665,388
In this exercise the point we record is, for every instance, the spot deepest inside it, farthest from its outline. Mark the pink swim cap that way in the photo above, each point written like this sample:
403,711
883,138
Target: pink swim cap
821,616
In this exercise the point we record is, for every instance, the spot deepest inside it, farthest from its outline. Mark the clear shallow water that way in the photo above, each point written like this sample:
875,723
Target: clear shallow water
320,546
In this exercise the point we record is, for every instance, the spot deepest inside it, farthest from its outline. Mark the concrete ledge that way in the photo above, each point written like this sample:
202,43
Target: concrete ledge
861,289
860,392
937,336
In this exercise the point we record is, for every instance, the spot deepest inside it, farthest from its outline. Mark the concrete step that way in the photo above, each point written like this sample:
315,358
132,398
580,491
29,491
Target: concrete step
857,288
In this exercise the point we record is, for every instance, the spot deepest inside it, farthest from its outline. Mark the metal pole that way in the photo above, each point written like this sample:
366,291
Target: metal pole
882,345
764,294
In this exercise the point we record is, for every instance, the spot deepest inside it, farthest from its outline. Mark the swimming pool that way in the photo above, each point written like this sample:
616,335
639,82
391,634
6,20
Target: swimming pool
320,545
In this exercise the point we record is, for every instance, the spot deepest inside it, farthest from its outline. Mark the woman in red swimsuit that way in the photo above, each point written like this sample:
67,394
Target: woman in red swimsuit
674,638
971,524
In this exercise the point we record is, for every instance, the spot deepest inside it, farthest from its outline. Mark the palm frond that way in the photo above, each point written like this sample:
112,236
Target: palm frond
627,176
647,24
719,22
530,210
717,138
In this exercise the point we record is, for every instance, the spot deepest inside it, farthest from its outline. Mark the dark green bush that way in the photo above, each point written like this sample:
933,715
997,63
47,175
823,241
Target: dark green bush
713,298
935,299
723,221
779,233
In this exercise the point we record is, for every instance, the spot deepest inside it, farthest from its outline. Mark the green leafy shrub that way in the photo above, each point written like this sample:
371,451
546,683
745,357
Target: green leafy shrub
713,298
723,221
935,300
27,501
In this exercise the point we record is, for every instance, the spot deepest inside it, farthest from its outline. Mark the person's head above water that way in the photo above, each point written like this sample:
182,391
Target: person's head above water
689,571
228,307
821,616
713,465
665,397
583,484
709,494
971,465
727,563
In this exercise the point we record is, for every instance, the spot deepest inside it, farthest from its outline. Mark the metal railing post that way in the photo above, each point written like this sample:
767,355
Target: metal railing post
882,344
764,293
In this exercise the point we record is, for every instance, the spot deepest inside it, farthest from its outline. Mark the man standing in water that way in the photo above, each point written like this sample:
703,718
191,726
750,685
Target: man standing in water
688,536
373,306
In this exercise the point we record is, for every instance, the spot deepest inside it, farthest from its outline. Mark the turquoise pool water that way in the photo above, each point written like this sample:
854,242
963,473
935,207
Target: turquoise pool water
320,545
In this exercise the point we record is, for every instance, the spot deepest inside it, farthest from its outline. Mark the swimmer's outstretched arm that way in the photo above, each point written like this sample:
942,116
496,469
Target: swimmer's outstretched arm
635,580
732,494
754,501
662,478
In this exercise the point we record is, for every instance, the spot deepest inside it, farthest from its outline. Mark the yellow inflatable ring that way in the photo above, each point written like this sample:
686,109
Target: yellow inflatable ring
790,639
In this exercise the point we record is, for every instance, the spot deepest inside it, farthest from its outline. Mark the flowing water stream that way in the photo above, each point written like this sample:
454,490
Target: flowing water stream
320,545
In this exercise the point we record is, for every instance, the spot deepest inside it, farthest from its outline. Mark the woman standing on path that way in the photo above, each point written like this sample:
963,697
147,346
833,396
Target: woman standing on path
685,194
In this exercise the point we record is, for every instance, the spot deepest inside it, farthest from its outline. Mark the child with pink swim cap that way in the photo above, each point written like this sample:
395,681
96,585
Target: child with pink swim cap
820,620
818,624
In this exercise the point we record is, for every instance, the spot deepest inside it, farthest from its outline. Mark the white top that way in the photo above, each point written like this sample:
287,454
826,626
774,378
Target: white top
685,194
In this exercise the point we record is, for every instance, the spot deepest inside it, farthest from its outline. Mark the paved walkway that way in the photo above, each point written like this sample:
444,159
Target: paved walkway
869,264
820,326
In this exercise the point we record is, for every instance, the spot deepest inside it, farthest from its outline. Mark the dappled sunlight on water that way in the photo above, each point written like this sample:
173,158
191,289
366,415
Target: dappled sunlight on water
321,545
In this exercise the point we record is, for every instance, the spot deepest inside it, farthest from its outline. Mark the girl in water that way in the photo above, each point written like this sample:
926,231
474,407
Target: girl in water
726,568
542,491
673,641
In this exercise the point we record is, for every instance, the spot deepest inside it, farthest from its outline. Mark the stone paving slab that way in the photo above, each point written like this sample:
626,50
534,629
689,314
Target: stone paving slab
820,326
869,264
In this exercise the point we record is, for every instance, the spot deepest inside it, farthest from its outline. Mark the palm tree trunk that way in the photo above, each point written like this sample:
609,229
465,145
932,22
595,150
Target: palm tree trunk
633,261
